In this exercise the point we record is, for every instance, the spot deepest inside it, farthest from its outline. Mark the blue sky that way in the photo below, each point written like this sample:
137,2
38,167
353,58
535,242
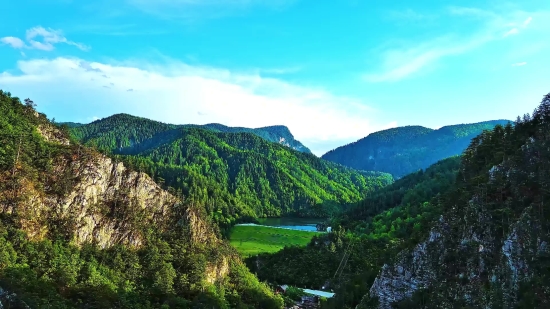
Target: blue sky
332,71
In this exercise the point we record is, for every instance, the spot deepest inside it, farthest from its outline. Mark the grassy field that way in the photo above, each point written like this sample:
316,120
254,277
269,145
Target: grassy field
251,240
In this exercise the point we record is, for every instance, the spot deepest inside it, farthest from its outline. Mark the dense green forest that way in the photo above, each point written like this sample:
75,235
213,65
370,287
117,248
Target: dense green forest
469,231
404,150
49,270
236,176
131,134
494,215
369,233
241,176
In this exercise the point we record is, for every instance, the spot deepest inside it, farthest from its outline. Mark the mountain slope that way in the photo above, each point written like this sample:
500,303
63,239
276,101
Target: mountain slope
240,175
371,231
126,131
403,150
489,249
81,230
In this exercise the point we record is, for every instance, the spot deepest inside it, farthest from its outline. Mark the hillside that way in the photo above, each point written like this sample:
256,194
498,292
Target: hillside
240,176
371,231
403,150
489,248
468,232
81,230
123,131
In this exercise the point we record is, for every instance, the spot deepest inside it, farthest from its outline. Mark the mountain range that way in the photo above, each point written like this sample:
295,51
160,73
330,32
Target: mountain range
80,230
236,174
403,150
126,212
141,128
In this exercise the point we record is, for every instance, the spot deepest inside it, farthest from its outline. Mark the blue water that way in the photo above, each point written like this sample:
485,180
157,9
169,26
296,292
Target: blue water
300,224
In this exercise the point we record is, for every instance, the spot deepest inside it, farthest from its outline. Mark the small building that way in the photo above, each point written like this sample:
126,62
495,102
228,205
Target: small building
319,293
281,288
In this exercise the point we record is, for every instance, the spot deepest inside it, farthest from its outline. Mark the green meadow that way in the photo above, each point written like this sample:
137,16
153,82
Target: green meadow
252,240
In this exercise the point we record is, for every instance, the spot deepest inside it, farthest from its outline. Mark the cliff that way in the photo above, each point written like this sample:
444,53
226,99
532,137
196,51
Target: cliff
79,229
490,248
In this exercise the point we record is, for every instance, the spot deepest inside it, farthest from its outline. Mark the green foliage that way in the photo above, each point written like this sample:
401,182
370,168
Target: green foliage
169,270
130,134
405,209
240,176
404,150
236,173
389,220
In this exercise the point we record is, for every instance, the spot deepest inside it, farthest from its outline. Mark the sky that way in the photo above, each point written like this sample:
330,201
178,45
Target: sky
331,71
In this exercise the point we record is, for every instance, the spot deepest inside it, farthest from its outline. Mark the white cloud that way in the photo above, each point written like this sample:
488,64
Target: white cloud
180,93
42,39
13,42
511,32
403,62
519,64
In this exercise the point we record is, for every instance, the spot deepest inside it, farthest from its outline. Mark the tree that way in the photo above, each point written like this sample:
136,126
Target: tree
30,103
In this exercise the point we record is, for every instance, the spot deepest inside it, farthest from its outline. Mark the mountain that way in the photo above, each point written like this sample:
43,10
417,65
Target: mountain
237,176
470,231
489,247
370,233
403,150
82,230
240,176
123,130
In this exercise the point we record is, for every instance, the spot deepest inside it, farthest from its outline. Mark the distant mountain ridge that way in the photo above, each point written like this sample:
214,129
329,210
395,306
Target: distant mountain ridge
143,129
403,150
236,174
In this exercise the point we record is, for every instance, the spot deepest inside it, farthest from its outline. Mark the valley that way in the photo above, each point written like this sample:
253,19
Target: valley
127,212
251,240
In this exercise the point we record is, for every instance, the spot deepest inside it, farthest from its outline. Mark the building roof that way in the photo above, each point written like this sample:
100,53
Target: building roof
319,293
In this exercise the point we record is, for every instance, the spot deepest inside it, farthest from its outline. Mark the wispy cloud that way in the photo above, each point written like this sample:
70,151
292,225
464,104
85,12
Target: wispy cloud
401,63
42,39
192,94
511,32
13,42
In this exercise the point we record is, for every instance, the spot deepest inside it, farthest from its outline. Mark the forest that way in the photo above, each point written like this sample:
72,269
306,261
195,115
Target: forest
236,176
486,207
404,150
469,230
50,270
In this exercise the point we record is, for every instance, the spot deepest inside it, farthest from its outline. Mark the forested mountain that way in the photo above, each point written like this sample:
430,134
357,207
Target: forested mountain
371,232
79,230
489,249
468,234
123,131
403,150
239,176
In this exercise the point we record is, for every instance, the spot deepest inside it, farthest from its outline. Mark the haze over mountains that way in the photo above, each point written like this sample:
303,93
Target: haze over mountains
403,150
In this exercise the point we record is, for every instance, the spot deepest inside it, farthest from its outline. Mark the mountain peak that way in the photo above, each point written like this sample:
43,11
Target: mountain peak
402,150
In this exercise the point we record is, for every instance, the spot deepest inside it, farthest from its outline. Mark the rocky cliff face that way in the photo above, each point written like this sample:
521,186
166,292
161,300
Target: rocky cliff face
100,201
490,249
473,270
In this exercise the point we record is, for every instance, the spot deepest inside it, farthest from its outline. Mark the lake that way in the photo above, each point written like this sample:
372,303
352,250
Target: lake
299,224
